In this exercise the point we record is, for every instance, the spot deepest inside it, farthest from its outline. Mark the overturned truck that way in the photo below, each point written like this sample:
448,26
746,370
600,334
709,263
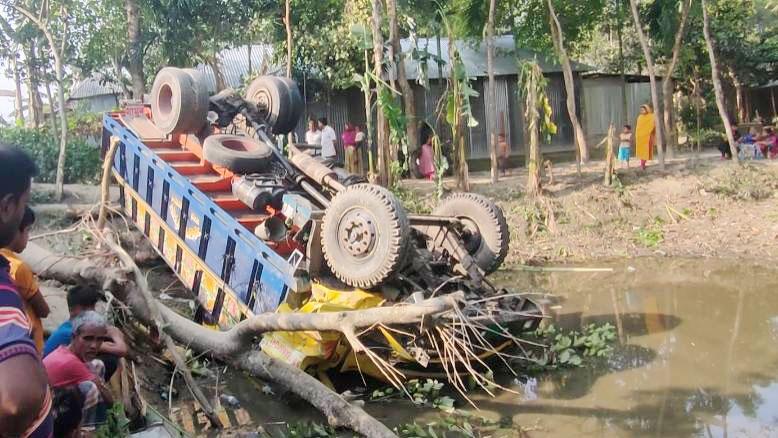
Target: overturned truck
251,229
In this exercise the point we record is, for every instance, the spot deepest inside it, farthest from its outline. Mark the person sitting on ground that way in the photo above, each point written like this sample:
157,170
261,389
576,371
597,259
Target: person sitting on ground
34,303
76,364
25,399
724,149
625,143
746,145
503,153
67,410
768,143
83,298
426,160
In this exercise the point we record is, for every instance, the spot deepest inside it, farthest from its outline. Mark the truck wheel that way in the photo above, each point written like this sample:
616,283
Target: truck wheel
200,87
486,234
364,235
281,98
237,153
178,103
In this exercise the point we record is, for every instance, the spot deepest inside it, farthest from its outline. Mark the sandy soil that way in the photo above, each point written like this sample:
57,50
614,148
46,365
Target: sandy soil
698,207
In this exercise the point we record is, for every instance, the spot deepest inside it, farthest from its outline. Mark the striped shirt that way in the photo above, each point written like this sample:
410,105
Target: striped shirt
15,341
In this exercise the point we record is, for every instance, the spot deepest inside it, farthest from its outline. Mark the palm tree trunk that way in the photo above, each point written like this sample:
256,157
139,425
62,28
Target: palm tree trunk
716,78
492,104
136,52
656,103
567,71
667,81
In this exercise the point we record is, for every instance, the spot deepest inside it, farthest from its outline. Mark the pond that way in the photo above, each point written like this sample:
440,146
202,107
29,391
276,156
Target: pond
697,355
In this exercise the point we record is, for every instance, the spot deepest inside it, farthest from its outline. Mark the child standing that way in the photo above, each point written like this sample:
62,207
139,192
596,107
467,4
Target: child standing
34,304
625,142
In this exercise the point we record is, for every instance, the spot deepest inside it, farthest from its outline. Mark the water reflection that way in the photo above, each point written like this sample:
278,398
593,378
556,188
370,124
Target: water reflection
698,353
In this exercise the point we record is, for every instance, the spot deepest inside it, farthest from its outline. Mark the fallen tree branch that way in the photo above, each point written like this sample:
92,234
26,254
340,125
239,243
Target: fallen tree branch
339,412
106,182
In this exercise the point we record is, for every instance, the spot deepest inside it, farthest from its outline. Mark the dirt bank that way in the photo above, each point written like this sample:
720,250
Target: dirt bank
700,207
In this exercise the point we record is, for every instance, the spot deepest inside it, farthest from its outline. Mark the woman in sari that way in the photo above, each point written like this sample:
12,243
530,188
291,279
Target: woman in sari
645,135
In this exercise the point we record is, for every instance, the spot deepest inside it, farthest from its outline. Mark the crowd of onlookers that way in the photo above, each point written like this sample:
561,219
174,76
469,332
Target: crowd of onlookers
321,134
753,143
54,387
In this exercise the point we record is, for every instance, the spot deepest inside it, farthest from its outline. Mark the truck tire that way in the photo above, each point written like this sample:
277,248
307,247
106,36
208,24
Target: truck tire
237,153
365,233
281,98
178,104
200,87
486,234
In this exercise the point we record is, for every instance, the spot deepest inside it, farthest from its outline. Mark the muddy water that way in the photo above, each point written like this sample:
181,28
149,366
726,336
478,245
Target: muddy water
697,356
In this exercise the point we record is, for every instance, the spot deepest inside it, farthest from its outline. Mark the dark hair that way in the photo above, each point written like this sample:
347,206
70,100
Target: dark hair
28,219
323,120
16,171
67,409
628,127
84,295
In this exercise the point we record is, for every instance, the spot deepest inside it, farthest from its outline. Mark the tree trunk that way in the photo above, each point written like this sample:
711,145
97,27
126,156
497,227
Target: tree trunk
656,103
235,344
667,82
492,114
52,115
288,26
740,99
18,104
698,108
716,78
213,62
458,134
33,99
251,67
136,51
369,125
411,134
610,165
567,71
381,125
624,104
60,180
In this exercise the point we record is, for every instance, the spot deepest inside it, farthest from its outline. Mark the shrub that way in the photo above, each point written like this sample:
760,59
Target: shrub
82,164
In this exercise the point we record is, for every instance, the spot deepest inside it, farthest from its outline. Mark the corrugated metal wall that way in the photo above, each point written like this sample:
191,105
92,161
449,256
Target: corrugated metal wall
603,103
501,119
338,107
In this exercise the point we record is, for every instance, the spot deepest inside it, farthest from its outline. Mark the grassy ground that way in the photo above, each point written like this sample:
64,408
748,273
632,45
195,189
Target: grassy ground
699,207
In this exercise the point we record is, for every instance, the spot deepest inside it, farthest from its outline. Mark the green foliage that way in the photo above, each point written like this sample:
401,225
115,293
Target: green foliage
116,426
423,393
650,235
411,200
309,430
570,349
441,166
533,83
82,165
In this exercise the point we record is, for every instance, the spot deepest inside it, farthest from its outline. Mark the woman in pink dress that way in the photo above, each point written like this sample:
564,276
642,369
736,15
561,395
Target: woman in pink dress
427,160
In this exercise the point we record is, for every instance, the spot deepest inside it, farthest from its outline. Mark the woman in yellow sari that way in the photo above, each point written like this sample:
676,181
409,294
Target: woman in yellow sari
645,135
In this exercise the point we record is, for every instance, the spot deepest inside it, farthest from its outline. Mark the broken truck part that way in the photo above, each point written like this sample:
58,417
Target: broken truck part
250,230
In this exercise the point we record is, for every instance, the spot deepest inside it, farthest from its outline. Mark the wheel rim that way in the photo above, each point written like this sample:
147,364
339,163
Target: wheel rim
471,237
357,233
